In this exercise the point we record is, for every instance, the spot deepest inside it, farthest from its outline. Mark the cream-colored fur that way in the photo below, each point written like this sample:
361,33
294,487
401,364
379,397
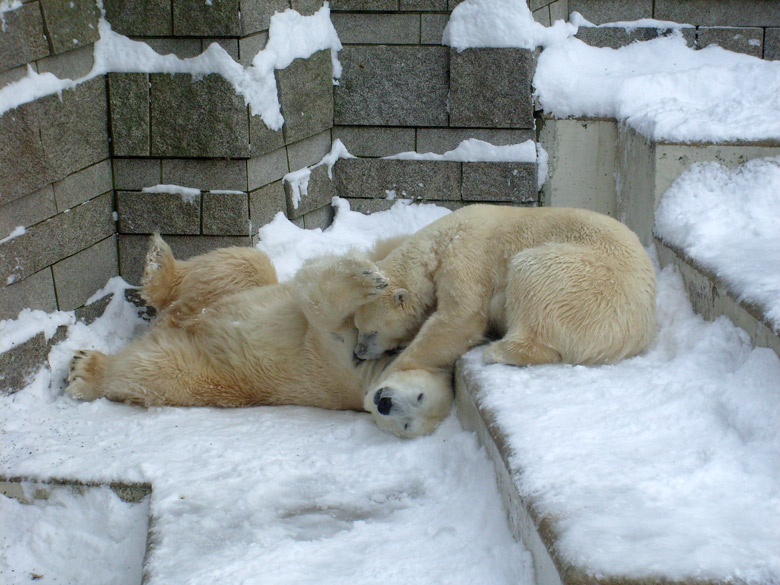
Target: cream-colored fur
556,284
223,339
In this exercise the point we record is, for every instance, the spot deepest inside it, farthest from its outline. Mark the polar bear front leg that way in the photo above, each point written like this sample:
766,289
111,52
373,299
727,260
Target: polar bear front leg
331,288
411,403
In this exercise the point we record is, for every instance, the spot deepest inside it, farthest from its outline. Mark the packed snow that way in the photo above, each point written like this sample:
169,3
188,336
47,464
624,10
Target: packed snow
299,179
728,220
273,494
50,532
290,36
664,465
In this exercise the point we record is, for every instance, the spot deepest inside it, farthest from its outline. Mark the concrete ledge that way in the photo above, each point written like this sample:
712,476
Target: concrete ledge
537,532
711,298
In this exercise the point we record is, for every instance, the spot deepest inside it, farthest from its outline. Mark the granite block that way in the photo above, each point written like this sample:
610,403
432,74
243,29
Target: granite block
215,123
542,16
601,11
265,203
365,5
23,39
196,18
134,173
500,181
491,88
719,12
78,277
250,46
373,141
34,292
71,65
24,167
397,179
441,140
13,75
377,28
27,210
772,44
205,174
306,7
57,238
308,152
19,364
70,24
392,86
266,169
74,128
616,37
129,106
229,45
319,192
306,96
167,213
262,139
423,5
182,48
432,28
140,17
225,213
319,218
559,10
83,185
740,40
256,14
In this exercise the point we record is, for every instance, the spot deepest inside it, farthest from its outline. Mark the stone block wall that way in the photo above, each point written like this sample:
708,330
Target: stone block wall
744,26
402,90
55,168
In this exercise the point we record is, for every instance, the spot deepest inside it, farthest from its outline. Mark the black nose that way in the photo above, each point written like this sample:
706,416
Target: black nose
384,405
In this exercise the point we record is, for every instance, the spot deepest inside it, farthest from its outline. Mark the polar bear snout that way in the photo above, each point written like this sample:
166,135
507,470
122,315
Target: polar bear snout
383,402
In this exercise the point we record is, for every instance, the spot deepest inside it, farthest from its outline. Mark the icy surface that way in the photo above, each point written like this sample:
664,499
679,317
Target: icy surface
32,547
728,220
290,36
664,464
273,495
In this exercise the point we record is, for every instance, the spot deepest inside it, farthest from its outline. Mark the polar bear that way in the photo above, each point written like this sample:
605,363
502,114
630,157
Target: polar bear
228,335
553,284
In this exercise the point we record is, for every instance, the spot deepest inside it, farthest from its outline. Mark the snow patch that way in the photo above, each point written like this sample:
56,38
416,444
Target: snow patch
299,180
15,233
729,221
188,194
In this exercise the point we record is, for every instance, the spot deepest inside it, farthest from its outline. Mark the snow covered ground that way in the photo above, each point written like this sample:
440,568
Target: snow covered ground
262,495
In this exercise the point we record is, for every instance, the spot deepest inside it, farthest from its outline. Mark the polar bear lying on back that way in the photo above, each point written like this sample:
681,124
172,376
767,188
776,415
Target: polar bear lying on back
227,334
554,284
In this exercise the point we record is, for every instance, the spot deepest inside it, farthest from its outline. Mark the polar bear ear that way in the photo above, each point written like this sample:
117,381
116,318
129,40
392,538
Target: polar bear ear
400,297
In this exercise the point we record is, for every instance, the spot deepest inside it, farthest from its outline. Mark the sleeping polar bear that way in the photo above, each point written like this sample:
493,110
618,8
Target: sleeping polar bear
228,335
554,284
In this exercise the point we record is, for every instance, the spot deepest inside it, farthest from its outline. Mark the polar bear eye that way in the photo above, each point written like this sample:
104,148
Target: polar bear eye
420,397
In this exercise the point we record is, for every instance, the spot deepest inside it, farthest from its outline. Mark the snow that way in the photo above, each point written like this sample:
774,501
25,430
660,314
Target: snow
291,36
15,233
500,23
188,194
630,25
272,495
30,323
728,221
299,180
661,88
34,549
664,464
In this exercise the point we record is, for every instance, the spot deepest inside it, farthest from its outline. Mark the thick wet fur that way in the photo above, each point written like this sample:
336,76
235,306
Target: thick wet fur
227,334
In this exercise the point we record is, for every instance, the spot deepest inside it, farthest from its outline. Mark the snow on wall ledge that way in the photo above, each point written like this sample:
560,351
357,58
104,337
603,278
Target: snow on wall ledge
739,243
663,89
291,36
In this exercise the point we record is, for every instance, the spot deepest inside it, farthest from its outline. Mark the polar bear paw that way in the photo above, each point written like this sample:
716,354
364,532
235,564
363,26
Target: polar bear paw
82,375
410,403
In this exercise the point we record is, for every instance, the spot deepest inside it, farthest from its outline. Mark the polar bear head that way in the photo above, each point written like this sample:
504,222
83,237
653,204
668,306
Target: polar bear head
410,403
